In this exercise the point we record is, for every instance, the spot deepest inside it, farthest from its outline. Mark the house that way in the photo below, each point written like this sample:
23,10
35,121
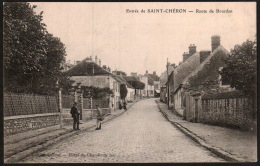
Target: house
198,73
149,84
90,73
135,82
170,89
154,83
163,80
130,89
144,79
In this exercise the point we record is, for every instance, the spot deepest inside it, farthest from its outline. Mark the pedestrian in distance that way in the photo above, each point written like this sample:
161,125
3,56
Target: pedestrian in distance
100,117
75,115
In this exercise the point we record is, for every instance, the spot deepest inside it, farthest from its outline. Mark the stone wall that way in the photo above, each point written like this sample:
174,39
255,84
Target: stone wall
22,123
230,112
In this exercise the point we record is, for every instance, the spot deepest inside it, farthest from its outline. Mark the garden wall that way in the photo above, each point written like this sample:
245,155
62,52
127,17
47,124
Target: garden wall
24,112
228,110
22,123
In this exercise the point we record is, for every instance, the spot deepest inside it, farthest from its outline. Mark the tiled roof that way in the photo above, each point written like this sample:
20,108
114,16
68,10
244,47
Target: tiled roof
154,77
185,68
163,77
150,81
122,80
194,72
130,78
86,68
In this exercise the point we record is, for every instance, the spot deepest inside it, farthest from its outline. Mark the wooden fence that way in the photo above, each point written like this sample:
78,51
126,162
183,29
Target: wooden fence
25,104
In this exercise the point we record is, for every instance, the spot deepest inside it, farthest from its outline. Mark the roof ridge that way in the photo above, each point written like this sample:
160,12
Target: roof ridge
186,61
198,68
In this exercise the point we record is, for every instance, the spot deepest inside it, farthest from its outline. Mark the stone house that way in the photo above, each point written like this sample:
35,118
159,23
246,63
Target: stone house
186,78
148,90
130,89
90,73
156,83
144,79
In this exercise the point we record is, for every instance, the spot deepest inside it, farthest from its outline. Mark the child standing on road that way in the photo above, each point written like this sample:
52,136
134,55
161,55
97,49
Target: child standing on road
100,117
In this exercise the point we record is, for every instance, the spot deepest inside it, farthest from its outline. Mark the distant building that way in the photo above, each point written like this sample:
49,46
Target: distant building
135,82
67,65
90,73
163,82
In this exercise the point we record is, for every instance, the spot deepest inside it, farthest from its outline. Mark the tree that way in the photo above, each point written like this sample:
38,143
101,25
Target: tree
136,84
96,92
32,57
240,70
123,91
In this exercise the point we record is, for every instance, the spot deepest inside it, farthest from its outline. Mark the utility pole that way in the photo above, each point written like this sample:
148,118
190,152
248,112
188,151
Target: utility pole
167,84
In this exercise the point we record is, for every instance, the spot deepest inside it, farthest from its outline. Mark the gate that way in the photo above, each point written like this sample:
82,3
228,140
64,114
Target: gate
193,105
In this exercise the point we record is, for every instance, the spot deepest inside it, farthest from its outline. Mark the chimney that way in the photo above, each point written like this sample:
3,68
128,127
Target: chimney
185,56
105,67
215,42
204,54
114,72
192,49
146,71
173,65
96,60
134,74
154,73
99,62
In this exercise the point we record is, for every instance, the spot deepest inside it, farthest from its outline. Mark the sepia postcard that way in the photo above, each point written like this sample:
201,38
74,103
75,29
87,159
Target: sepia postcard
130,82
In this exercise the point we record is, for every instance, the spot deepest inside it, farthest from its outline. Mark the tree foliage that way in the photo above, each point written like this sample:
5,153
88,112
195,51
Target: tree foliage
123,91
240,71
96,92
208,76
136,84
32,57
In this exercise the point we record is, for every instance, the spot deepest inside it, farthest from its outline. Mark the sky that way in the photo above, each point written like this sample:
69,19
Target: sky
136,42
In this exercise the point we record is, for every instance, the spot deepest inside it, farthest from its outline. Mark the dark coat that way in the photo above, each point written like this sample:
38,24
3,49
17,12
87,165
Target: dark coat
74,111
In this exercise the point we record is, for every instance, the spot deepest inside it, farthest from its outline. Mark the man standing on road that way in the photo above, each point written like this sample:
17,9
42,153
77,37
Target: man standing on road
75,115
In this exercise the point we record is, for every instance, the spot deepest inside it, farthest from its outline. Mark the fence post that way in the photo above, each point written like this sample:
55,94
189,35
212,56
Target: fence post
60,107
81,106
91,106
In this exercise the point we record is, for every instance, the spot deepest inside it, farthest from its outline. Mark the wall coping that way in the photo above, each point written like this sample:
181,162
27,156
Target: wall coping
95,109
30,116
